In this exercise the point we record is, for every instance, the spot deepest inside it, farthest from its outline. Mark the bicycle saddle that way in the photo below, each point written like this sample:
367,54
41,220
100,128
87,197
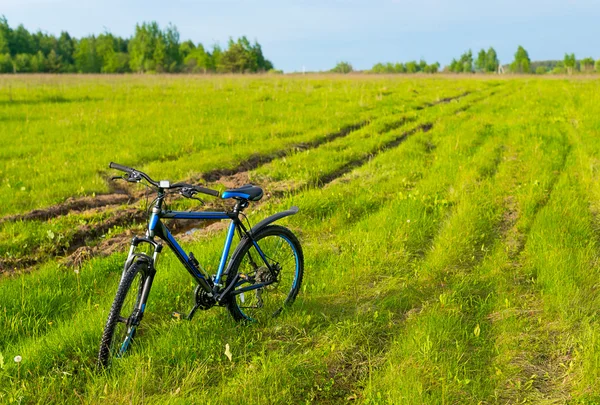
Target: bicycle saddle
247,192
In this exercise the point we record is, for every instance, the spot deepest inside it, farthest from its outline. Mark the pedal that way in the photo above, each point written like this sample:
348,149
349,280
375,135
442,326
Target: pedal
177,316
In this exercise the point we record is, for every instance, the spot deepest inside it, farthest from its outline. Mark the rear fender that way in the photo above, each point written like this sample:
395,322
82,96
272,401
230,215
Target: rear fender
273,218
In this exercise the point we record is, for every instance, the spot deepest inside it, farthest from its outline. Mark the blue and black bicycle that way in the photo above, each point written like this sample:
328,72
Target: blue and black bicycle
260,279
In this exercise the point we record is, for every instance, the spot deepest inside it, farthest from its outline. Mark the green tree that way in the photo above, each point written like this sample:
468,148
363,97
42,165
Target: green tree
54,62
215,57
110,55
5,34
378,68
466,62
455,66
263,64
242,57
6,63
570,62
186,48
433,68
197,60
39,64
21,41
142,47
65,48
86,57
491,61
105,51
587,64
398,68
412,67
173,58
598,66
22,63
481,61
541,70
522,63
235,58
44,42
342,67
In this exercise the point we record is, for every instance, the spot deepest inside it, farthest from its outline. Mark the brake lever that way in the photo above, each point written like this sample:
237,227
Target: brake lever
113,178
188,192
133,178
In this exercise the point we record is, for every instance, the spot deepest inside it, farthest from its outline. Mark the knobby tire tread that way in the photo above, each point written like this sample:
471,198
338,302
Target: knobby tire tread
115,311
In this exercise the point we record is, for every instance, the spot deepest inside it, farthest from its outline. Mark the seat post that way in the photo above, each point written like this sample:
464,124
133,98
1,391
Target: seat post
240,205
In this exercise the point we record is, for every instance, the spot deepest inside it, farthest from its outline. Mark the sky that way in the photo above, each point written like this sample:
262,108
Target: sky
316,34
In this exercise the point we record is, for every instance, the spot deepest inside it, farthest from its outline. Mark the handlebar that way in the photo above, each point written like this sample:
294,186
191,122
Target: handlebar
187,190
122,168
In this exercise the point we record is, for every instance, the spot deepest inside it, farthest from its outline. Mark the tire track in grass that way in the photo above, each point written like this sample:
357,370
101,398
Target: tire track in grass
444,100
349,166
258,160
381,341
525,368
131,216
422,294
451,297
327,178
463,293
71,205
126,195
240,178
481,287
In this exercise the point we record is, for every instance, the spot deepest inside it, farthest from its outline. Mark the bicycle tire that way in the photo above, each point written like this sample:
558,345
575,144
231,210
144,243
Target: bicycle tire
285,297
115,317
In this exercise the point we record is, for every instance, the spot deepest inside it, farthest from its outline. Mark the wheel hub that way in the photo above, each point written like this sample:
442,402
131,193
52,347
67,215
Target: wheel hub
264,275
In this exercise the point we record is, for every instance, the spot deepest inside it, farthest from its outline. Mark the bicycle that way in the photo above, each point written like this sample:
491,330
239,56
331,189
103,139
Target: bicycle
261,279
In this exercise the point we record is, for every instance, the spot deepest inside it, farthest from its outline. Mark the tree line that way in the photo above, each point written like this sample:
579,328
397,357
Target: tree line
408,67
488,62
150,49
398,67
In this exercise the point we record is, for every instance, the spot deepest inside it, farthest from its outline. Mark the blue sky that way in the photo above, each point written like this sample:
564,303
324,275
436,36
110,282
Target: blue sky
316,34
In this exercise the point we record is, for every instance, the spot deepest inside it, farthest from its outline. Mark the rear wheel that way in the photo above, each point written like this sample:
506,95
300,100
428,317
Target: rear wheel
125,314
281,278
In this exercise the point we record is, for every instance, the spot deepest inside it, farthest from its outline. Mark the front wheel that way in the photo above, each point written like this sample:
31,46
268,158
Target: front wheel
125,314
269,276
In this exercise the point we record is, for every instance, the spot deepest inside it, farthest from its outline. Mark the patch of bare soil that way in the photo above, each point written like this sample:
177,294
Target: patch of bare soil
69,205
9,265
235,180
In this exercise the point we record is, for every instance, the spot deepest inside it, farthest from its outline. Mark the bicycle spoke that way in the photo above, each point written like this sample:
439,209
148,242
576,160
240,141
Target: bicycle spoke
278,274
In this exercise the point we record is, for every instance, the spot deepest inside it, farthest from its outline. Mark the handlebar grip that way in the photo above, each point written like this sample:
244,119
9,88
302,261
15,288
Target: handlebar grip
208,191
122,168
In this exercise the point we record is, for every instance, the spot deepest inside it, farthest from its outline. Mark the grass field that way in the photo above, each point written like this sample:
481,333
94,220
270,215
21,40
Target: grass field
450,230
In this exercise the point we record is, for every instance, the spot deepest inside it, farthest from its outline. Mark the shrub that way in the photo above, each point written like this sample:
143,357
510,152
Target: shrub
342,67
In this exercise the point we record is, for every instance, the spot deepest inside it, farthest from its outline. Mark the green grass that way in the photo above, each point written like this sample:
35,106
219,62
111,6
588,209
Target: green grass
458,265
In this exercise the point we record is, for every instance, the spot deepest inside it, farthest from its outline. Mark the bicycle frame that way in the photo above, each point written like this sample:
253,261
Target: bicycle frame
156,228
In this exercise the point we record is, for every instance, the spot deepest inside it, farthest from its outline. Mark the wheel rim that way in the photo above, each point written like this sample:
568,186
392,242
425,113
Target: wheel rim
269,301
124,330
